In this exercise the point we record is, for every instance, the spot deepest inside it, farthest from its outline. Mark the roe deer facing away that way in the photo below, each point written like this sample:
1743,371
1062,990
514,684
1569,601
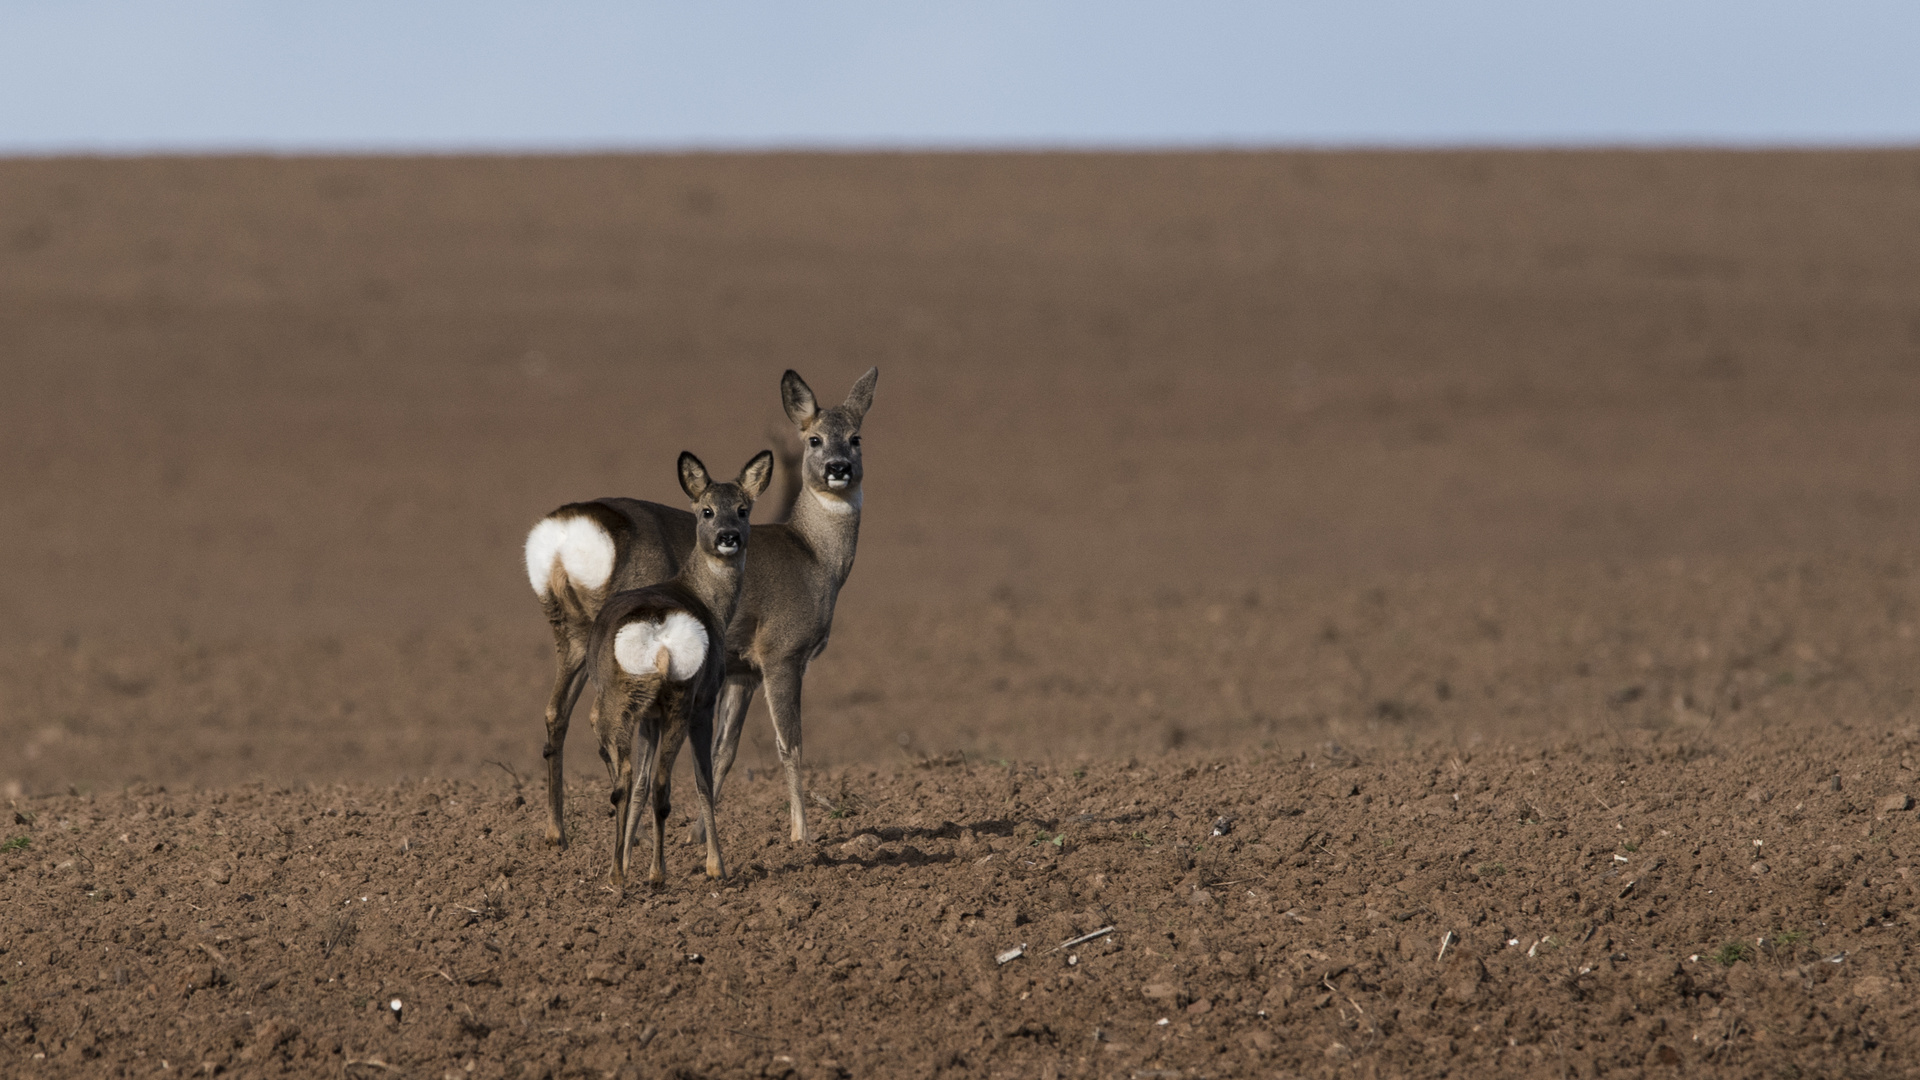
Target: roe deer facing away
656,653
583,553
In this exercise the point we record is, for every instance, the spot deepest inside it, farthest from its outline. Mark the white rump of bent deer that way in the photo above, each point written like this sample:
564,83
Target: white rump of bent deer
637,646
582,546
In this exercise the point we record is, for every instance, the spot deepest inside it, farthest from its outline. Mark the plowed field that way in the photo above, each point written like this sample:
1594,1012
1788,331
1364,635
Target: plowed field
1449,614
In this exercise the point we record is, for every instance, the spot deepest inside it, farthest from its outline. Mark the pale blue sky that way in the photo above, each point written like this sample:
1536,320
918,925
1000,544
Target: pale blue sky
118,76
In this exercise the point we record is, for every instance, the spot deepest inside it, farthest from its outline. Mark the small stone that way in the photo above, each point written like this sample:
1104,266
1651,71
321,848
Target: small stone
604,974
864,846
201,976
1160,991
1896,803
1201,1006
1758,868
221,873
1871,986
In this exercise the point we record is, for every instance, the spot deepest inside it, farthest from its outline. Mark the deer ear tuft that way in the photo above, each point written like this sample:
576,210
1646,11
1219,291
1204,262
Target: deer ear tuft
797,398
757,475
693,476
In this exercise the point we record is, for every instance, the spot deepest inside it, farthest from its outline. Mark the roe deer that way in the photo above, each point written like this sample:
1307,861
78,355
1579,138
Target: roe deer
793,582
658,655
786,604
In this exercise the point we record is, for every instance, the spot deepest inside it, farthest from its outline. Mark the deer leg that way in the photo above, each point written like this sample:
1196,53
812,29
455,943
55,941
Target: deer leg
609,716
640,789
568,681
625,714
700,733
673,732
783,701
728,717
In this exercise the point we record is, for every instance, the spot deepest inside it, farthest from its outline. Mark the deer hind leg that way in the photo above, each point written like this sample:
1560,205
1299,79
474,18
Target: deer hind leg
783,701
620,709
673,732
639,795
570,678
728,717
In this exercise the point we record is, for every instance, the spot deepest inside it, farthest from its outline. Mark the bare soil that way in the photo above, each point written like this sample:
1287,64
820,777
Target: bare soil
1512,557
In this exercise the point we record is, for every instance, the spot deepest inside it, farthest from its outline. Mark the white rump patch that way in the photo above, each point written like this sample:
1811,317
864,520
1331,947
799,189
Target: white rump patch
584,549
637,646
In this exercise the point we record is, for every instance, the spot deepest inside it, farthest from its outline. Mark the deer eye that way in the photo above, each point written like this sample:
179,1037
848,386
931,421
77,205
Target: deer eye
855,440
706,511
743,511
813,440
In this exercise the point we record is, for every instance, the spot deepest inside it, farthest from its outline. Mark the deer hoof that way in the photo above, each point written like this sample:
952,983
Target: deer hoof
556,838
697,833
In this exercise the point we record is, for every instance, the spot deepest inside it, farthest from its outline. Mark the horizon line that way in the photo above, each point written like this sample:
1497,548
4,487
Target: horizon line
851,147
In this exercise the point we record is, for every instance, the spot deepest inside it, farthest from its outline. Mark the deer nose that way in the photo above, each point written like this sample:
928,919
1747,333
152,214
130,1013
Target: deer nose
727,541
839,470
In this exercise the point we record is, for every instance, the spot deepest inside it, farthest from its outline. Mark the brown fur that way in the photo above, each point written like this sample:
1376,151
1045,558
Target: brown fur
652,708
785,613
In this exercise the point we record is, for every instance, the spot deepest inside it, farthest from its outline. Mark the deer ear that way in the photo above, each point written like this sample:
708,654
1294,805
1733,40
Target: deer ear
757,475
693,476
797,399
861,398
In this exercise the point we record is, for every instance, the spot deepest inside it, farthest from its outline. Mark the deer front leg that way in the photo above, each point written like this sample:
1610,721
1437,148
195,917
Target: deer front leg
783,701
567,684
700,731
728,717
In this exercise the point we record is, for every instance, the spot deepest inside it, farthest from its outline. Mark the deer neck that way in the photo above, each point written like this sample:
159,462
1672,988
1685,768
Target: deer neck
830,524
715,581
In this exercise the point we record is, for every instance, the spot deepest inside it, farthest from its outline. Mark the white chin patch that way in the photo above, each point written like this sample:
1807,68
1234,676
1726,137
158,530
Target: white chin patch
726,549
836,483
584,550
637,647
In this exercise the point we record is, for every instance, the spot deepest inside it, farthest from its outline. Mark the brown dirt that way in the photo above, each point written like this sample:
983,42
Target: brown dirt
1311,491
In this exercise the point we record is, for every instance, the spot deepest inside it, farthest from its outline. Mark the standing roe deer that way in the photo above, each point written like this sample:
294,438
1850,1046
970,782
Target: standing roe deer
786,604
657,653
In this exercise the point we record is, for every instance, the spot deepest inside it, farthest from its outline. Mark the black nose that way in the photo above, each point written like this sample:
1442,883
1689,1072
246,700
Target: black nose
729,539
839,470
